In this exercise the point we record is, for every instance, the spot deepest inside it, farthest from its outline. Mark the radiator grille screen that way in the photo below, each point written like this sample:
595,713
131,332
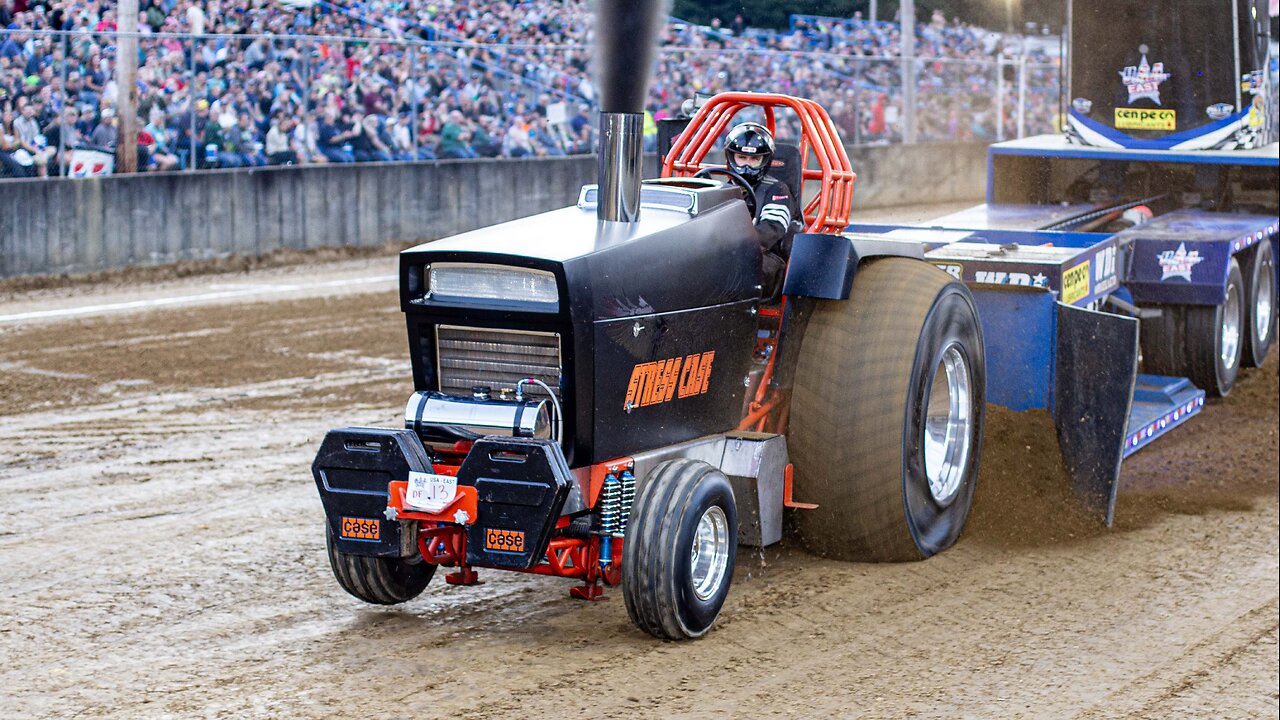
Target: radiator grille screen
497,359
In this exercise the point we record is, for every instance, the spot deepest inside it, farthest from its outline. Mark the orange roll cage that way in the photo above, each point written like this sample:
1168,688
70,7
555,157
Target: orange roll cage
826,212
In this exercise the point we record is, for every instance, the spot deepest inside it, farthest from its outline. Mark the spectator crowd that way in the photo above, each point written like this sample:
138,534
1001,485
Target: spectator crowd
245,83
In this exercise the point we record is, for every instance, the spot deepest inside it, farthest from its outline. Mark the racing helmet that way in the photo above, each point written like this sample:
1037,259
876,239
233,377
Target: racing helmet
751,139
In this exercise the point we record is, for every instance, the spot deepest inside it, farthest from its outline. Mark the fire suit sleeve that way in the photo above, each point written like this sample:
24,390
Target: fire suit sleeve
773,218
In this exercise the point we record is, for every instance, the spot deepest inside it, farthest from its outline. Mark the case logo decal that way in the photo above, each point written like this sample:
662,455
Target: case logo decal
354,528
658,382
1178,263
1143,80
511,541
1136,119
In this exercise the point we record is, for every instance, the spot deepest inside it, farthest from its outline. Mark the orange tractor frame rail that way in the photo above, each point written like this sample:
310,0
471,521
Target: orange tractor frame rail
825,212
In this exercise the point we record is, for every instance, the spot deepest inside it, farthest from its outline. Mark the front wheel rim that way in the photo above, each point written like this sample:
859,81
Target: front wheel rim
947,426
709,557
1230,352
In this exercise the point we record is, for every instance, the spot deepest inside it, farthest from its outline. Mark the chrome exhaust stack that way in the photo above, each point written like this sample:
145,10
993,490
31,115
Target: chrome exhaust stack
620,166
626,35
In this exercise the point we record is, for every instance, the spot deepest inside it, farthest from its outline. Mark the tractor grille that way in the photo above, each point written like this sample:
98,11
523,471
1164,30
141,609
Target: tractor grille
496,358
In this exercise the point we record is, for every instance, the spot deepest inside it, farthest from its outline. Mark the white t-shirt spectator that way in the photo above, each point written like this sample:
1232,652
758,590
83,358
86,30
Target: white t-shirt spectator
195,18
277,142
304,141
401,141
516,143
27,129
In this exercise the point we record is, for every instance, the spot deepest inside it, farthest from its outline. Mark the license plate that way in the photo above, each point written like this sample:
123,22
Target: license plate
430,492
360,528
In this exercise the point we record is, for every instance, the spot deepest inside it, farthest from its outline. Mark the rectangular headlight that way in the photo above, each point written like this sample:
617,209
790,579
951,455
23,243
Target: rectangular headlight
472,281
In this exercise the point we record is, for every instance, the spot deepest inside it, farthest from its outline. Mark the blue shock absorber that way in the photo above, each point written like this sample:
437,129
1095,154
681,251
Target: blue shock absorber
610,516
606,550
625,498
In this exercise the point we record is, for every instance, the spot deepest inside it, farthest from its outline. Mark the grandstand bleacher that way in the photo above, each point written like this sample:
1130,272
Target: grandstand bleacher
234,83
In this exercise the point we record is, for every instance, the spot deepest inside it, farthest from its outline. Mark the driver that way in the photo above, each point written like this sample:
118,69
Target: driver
748,151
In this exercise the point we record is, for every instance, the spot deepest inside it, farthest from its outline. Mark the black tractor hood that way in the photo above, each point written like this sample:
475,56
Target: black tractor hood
693,247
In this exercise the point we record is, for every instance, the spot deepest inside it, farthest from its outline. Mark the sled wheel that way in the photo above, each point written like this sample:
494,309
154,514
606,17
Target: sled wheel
1161,341
677,561
1261,301
887,413
1215,338
379,580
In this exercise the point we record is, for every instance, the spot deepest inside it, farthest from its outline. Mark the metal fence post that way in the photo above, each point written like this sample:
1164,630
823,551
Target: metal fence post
1000,98
306,98
857,117
1022,94
413,97
191,101
62,116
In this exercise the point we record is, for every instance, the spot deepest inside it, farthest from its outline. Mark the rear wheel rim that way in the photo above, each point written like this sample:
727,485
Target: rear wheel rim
1263,301
709,557
1230,352
948,426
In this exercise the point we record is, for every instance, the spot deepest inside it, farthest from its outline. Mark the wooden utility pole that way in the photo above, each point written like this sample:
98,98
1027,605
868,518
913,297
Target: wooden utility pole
907,19
127,86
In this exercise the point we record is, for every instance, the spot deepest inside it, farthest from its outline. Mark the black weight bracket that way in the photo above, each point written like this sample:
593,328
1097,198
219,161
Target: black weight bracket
521,486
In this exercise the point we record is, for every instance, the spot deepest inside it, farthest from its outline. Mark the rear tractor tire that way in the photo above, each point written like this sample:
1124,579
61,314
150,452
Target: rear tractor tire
887,415
677,562
379,580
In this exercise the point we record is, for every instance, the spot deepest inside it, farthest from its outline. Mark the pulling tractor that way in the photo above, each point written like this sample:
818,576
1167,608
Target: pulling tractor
603,395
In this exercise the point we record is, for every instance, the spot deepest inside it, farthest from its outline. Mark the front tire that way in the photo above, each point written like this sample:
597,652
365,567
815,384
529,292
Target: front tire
379,580
887,414
677,561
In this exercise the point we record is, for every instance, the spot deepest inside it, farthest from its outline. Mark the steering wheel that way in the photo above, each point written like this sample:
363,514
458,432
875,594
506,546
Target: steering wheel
748,192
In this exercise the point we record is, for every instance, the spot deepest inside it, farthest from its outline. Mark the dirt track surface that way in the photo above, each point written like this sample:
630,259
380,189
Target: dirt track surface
162,555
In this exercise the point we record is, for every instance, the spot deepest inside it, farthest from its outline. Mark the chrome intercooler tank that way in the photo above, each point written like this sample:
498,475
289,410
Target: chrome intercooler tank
437,417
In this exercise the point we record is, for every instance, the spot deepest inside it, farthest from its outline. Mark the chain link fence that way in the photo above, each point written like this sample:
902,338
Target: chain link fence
222,101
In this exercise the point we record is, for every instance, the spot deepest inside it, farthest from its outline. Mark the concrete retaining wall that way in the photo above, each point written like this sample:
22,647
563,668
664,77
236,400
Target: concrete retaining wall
67,226
893,175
